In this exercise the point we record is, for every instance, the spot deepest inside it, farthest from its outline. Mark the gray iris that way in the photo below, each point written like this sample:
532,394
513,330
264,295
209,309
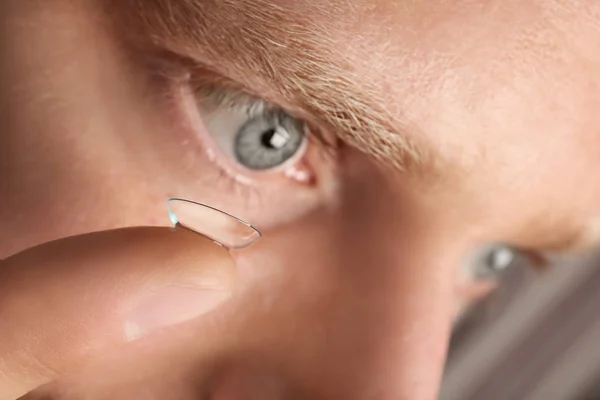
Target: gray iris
268,140
497,260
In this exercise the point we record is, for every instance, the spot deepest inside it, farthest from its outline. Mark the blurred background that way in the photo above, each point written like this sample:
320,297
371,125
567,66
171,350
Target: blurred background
537,337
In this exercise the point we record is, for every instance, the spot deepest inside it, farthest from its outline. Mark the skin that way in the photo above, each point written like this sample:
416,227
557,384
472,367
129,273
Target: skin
448,126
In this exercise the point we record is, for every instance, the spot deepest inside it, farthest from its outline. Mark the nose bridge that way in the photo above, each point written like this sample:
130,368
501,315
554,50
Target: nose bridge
394,282
379,325
359,299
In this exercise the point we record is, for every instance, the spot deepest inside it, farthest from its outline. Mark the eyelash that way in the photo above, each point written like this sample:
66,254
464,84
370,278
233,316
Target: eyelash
229,94
249,192
225,97
251,106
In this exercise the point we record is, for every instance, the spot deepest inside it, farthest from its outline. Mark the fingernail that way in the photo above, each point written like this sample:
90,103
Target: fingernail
170,306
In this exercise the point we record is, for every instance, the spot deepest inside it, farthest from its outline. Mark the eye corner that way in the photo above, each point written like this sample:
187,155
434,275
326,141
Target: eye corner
537,260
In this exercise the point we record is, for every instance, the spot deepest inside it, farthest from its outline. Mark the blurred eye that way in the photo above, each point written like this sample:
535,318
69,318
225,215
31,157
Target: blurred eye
496,261
493,261
258,137
486,268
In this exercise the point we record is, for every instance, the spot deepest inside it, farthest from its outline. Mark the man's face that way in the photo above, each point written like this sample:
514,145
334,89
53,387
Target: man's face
379,145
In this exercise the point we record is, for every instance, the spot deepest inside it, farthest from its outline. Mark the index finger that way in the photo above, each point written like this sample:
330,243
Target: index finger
66,300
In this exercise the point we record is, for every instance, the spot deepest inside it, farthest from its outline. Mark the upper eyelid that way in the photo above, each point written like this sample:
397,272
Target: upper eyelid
234,98
201,77
225,93
209,82
183,70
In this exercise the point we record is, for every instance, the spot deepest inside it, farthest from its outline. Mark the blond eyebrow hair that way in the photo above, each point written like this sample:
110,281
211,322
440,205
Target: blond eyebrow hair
296,55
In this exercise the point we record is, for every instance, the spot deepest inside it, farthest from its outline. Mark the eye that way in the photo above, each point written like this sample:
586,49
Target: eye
249,157
256,136
486,268
495,260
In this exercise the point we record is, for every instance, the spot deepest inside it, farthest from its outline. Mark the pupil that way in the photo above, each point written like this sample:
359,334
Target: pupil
275,138
501,259
267,138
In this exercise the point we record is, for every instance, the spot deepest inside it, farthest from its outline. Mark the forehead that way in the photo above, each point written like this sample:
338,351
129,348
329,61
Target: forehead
359,35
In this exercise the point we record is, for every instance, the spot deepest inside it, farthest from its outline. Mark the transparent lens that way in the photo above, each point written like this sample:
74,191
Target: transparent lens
223,228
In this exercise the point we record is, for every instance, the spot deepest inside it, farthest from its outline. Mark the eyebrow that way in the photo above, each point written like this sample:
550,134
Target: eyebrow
296,56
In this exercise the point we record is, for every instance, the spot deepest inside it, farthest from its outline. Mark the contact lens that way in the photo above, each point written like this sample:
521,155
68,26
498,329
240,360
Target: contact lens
219,226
